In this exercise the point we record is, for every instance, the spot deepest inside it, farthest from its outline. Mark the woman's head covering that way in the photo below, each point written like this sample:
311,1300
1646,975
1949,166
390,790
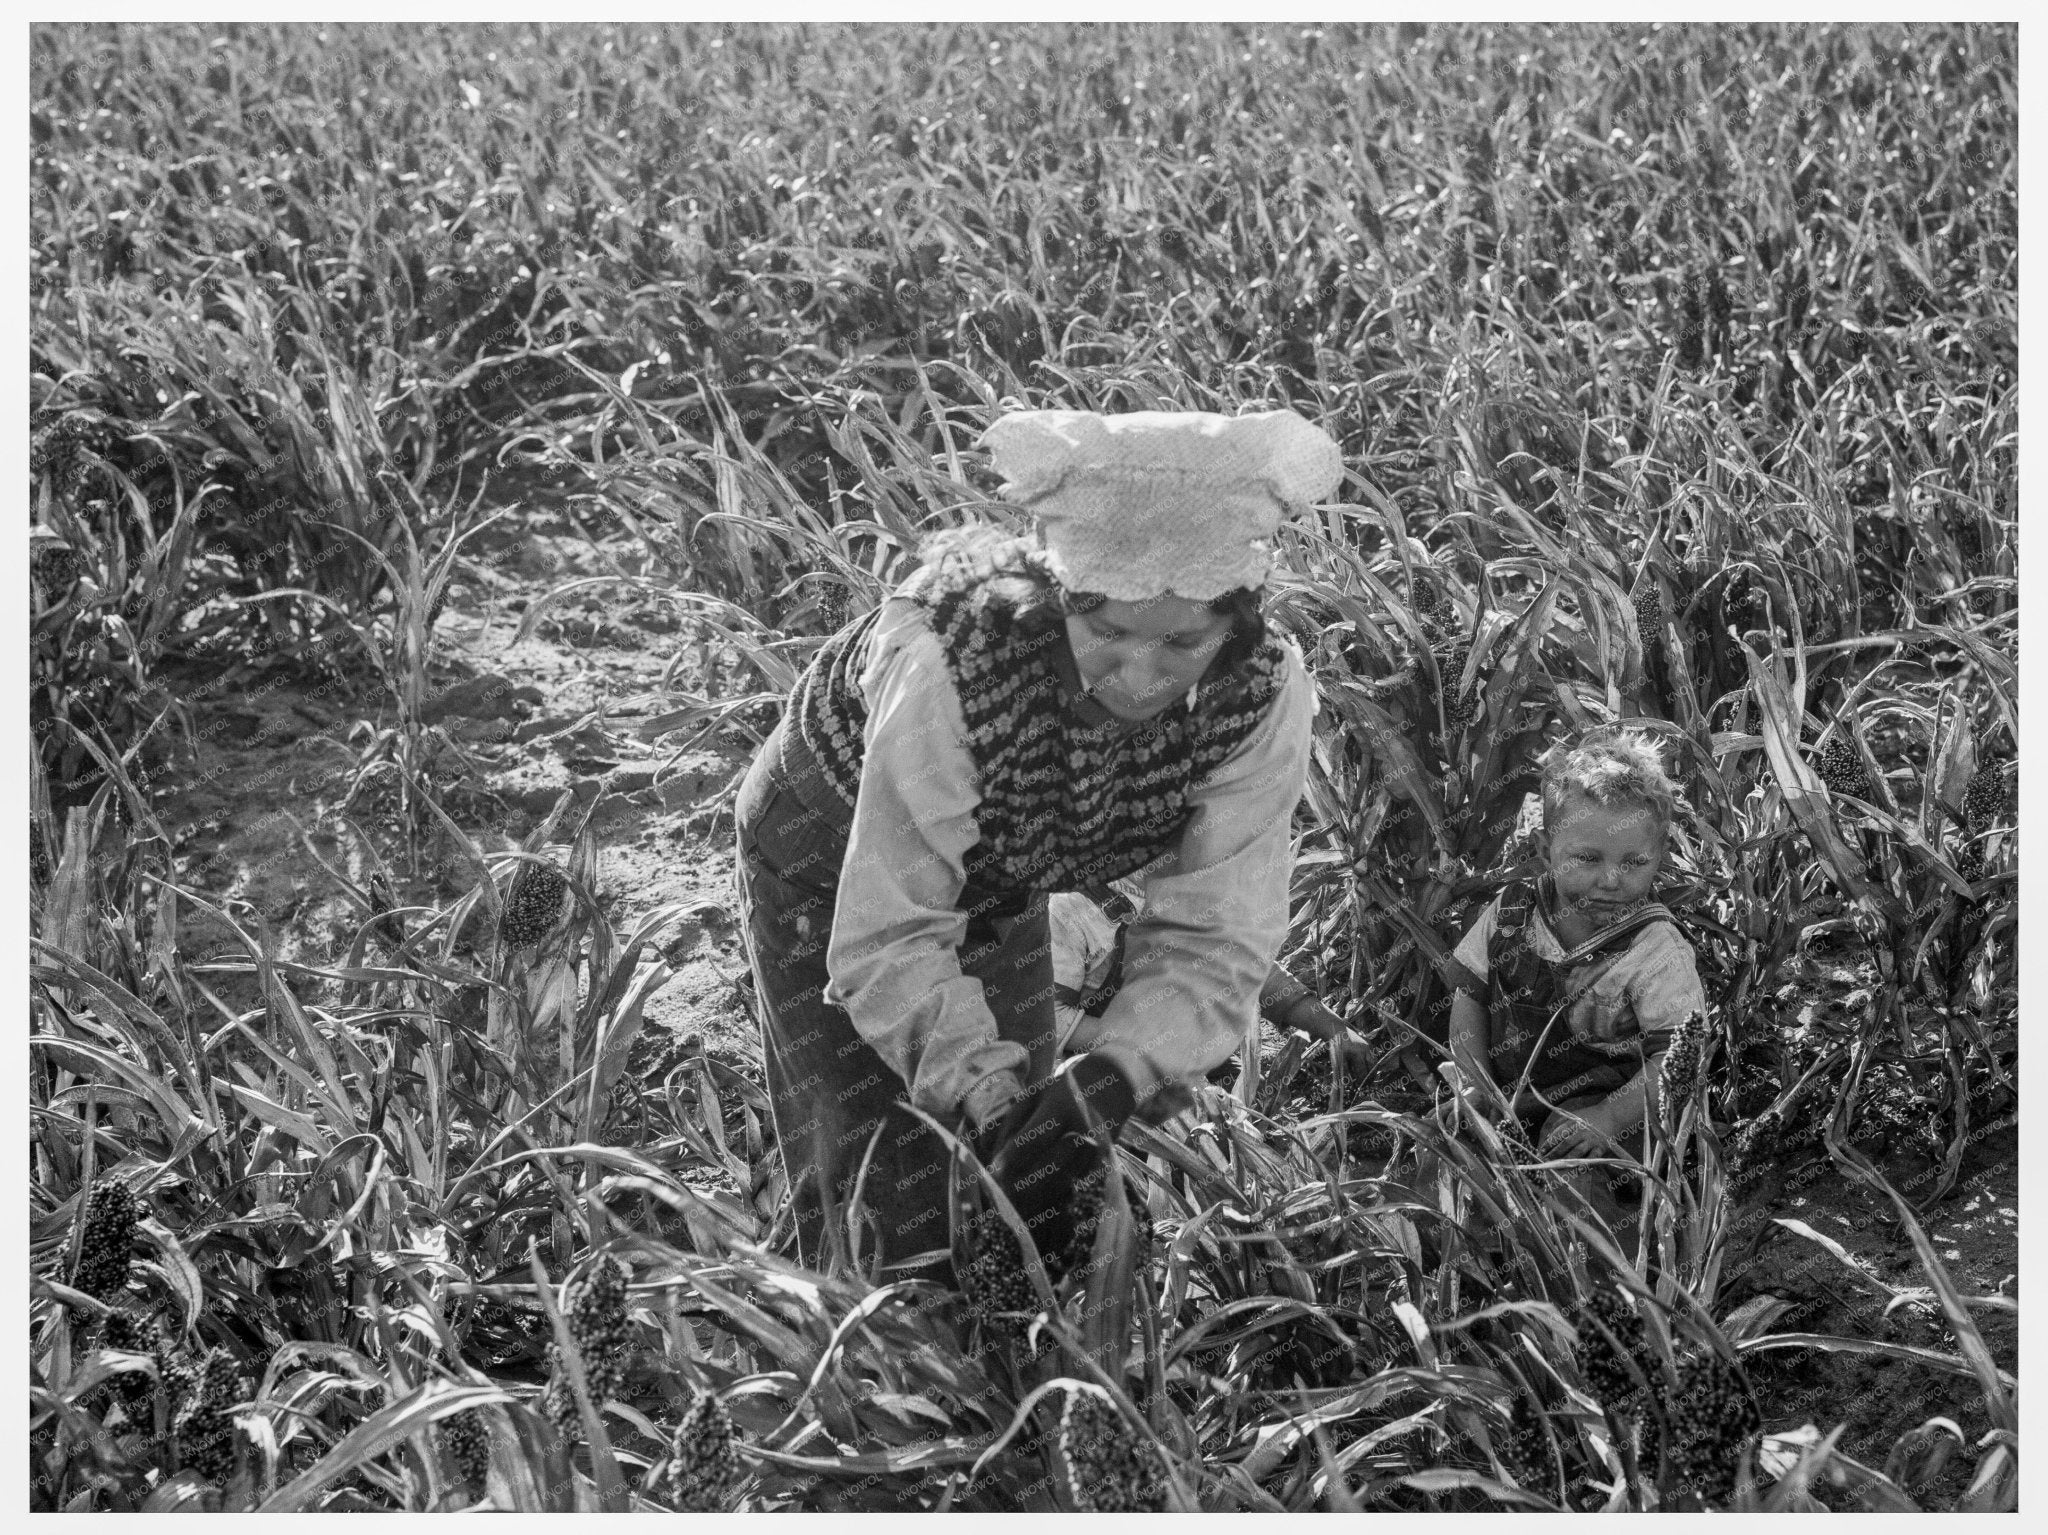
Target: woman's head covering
1187,502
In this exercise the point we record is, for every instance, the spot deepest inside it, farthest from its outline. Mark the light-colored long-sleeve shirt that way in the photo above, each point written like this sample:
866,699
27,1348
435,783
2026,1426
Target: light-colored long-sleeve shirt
1214,912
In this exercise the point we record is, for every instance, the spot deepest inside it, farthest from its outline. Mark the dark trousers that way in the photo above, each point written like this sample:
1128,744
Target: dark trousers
836,1104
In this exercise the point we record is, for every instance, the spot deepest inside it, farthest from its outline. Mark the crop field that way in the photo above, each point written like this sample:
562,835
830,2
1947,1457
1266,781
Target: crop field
448,445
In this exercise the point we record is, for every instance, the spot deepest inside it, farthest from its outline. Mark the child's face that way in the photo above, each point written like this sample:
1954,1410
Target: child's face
1603,858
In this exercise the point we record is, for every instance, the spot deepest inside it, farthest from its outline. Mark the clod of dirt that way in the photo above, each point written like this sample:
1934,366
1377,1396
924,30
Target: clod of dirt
488,697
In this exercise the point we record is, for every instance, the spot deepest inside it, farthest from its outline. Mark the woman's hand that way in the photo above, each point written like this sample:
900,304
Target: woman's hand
1044,1147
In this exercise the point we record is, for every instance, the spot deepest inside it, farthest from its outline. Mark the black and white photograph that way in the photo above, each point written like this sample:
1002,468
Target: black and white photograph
1022,766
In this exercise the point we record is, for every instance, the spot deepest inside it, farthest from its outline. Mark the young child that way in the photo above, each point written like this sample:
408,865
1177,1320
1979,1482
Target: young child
1568,988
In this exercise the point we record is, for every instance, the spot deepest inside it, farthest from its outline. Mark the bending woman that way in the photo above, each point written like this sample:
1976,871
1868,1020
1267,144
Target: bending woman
1024,716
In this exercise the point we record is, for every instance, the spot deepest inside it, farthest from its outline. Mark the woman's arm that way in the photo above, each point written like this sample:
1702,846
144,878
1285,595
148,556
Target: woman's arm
1215,911
894,953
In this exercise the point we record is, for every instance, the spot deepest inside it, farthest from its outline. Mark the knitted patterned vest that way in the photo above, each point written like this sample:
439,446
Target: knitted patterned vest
1064,804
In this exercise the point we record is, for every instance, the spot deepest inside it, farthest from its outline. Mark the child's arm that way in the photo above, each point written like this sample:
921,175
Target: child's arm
1470,1032
1469,1037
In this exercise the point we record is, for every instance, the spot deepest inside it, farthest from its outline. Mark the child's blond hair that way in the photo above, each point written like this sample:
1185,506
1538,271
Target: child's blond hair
1620,767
